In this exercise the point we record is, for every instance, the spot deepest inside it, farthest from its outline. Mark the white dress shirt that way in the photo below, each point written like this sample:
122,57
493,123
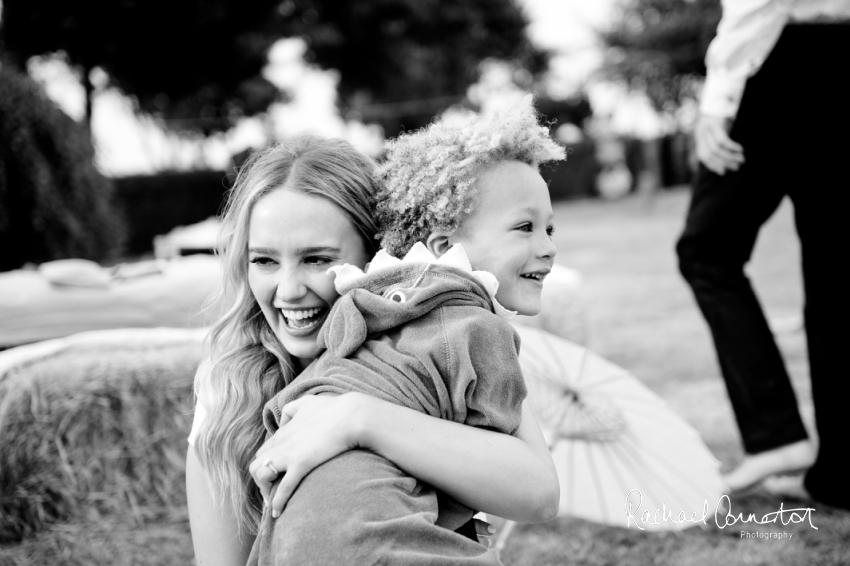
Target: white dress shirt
747,32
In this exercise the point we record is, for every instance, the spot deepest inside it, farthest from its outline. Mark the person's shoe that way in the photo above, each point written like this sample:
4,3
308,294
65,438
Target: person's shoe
787,486
755,468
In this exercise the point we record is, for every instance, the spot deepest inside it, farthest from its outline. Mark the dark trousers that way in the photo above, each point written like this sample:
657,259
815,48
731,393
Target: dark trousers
794,125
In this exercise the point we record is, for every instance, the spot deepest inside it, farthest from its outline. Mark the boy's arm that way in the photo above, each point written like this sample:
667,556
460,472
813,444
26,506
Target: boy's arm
509,476
483,373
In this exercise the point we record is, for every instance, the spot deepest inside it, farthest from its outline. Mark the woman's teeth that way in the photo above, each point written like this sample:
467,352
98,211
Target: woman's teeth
302,318
535,276
300,315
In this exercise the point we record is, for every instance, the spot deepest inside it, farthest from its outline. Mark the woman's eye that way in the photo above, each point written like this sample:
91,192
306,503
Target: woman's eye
261,261
317,260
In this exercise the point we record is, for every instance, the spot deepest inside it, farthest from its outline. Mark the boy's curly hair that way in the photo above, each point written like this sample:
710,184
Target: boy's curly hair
426,182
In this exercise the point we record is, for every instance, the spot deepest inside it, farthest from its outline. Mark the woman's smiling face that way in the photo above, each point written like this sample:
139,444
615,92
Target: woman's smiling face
293,239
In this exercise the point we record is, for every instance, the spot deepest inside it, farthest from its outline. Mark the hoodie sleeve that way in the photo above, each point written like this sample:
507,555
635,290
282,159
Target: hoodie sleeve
483,371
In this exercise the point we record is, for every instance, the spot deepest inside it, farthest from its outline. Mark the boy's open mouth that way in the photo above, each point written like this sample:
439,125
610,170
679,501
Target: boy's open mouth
303,319
536,276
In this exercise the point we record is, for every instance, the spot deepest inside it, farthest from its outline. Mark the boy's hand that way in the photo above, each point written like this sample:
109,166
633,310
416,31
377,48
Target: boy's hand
484,530
715,149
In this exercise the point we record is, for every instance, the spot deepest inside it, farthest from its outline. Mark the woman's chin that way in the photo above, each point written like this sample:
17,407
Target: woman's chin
303,347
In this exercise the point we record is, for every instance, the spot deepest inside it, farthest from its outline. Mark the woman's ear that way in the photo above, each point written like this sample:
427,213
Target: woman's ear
438,243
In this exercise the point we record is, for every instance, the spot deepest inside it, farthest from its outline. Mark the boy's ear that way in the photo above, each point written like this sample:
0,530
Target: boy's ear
438,243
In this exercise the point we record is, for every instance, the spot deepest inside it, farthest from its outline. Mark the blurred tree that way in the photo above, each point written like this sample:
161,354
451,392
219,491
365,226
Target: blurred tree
202,59
403,61
659,45
196,60
574,110
53,202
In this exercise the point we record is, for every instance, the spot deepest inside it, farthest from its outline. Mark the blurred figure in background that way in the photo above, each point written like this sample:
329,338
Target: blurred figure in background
773,122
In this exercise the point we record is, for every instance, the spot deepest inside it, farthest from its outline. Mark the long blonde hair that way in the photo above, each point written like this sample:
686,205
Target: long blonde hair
247,365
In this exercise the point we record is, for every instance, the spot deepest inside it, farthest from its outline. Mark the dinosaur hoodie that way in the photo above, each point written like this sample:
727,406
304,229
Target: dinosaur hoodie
425,334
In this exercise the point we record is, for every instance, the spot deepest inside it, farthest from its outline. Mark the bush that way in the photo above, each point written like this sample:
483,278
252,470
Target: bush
96,430
53,202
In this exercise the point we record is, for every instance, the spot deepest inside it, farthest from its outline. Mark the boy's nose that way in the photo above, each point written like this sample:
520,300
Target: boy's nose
546,247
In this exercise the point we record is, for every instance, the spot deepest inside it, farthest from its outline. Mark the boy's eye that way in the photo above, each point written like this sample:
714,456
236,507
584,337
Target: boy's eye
550,230
527,227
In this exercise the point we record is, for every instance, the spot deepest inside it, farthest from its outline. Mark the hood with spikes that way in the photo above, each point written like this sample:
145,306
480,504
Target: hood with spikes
393,292
349,276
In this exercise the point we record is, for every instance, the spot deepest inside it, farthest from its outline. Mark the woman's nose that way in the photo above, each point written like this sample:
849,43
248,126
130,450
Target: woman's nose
290,287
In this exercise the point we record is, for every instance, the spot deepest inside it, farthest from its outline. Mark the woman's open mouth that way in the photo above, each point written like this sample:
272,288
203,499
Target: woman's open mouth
304,320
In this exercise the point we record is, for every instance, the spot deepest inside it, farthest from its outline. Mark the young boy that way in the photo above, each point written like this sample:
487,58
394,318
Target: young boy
464,203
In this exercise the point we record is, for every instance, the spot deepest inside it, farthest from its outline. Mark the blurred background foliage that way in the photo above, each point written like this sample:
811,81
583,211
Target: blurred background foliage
403,61
197,66
659,46
182,59
53,201
198,63
198,71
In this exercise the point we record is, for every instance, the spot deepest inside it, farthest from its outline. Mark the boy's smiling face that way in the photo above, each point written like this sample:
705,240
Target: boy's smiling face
509,233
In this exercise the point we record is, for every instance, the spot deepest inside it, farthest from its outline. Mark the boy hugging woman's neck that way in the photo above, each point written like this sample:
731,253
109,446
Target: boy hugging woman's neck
427,332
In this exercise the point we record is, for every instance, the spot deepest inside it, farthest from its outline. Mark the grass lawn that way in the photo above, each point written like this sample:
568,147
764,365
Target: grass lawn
642,317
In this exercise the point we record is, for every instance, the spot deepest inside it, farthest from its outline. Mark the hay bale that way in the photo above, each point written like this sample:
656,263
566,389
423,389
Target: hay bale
95,425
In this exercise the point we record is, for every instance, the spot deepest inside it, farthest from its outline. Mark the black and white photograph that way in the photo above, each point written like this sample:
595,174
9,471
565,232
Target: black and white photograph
424,282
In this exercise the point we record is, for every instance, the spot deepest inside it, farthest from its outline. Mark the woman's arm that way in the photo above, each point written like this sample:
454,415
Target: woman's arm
214,531
512,477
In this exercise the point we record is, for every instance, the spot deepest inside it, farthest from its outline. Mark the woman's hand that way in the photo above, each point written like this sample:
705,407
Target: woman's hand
312,430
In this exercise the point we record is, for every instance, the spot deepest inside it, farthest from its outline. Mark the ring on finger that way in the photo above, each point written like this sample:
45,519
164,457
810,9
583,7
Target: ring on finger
269,465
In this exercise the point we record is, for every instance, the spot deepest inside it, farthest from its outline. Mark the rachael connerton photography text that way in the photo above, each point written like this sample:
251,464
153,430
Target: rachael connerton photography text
723,515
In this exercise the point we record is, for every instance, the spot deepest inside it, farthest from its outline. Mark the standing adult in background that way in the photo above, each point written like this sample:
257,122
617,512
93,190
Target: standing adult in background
774,117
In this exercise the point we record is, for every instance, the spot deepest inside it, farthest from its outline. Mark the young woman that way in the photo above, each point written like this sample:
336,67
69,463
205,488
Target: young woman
296,210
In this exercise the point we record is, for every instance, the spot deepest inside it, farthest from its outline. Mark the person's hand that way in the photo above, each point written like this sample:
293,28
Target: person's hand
715,149
312,430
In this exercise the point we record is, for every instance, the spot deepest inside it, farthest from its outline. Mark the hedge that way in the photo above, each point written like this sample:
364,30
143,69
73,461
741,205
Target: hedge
54,203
